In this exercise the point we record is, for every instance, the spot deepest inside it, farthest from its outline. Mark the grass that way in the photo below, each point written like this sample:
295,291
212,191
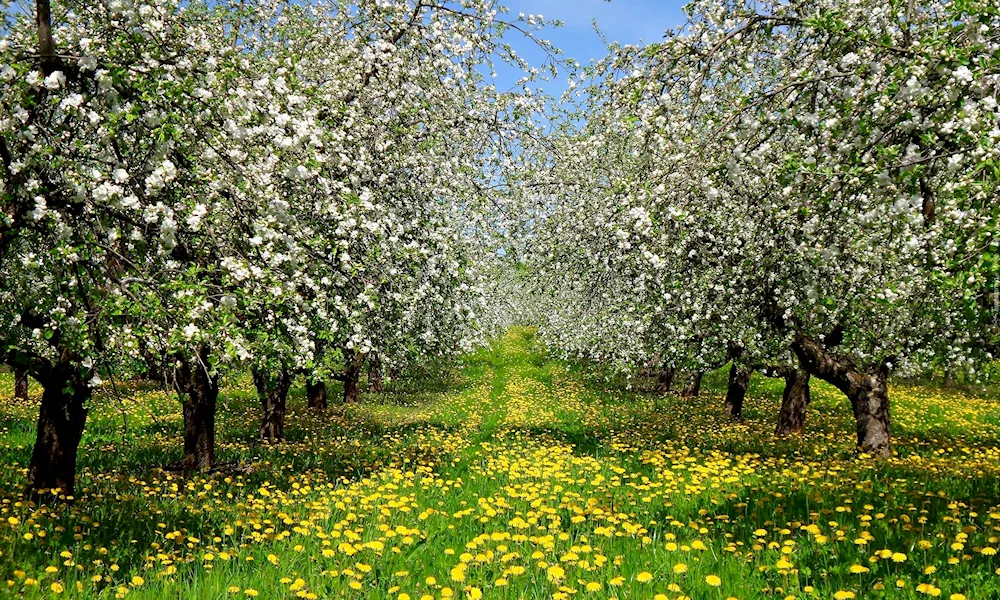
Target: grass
514,476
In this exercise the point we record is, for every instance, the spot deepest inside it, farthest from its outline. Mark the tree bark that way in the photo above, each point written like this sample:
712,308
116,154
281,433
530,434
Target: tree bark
351,392
375,382
20,384
352,374
693,387
794,401
664,380
200,393
867,390
739,380
316,394
273,394
61,419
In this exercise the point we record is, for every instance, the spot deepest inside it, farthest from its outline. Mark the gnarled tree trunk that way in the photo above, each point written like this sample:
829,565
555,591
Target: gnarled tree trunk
693,387
664,379
316,394
273,395
794,401
20,384
61,419
200,392
867,389
375,383
739,380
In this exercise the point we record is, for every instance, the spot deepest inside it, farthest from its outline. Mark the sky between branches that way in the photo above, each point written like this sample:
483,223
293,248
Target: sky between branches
625,21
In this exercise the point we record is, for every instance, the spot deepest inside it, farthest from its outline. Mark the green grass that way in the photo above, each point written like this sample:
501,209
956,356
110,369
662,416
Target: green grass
513,476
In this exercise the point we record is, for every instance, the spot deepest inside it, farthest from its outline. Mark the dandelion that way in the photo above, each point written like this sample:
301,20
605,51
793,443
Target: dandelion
843,595
713,580
56,587
644,577
680,568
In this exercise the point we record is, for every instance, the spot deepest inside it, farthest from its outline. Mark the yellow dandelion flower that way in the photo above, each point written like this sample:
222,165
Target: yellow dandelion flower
680,568
56,587
644,577
713,580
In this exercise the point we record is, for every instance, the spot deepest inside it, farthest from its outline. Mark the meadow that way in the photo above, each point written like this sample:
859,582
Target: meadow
513,476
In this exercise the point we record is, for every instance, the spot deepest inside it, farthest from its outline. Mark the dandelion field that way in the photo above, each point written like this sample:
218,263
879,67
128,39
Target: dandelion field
517,476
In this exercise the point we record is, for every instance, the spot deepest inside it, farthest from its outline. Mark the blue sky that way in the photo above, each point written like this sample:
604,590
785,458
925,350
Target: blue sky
626,21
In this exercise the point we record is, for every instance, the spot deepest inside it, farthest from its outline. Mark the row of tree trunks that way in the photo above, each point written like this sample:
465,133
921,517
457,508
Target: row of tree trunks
61,419
20,384
272,390
866,388
199,391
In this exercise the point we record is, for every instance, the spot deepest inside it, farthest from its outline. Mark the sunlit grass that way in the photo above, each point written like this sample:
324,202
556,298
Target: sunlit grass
514,477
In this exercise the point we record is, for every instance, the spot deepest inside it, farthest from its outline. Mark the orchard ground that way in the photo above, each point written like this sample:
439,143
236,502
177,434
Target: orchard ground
517,476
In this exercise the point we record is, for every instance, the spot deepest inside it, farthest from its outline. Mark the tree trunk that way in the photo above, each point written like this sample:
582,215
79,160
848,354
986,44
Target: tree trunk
739,380
351,393
352,374
20,384
794,401
870,401
375,382
200,393
867,390
61,418
664,379
273,394
316,394
693,387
